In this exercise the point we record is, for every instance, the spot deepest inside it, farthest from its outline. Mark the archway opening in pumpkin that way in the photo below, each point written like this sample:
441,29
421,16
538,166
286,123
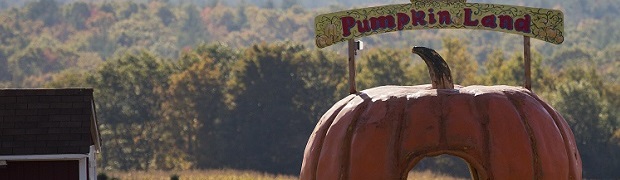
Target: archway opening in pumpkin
443,166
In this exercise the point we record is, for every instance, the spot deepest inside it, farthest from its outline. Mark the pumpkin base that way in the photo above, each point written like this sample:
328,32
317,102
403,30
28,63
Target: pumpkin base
502,132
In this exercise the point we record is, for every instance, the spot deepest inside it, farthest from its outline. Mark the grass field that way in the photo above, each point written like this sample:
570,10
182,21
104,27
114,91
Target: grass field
237,175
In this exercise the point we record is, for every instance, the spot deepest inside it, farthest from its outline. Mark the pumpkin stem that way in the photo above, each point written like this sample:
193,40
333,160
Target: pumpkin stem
437,67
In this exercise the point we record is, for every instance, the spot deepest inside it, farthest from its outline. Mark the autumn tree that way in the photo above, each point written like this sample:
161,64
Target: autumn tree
463,67
4,70
272,105
196,105
267,82
44,10
127,104
286,4
377,67
193,28
511,71
570,56
76,14
165,15
581,100
192,112
42,56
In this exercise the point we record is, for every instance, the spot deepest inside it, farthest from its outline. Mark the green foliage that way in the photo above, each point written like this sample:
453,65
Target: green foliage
165,15
500,70
608,63
4,70
126,9
269,90
42,56
581,100
192,26
572,56
379,67
286,4
128,91
44,10
196,100
102,176
462,65
76,14
68,78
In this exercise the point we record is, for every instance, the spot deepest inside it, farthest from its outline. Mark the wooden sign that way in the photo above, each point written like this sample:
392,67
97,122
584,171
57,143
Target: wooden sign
543,24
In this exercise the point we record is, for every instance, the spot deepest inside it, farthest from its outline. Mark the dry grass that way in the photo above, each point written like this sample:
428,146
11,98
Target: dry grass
429,175
225,174
228,174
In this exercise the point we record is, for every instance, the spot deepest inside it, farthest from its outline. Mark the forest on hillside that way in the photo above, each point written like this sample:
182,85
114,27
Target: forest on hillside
212,84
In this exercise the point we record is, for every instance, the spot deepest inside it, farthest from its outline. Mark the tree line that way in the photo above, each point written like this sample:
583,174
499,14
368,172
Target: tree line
254,108
179,86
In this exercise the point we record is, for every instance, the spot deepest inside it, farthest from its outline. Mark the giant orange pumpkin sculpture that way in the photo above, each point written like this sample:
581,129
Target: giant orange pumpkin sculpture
502,132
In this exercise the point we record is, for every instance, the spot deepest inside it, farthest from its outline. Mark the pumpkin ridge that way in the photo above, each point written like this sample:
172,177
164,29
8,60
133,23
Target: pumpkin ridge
346,143
399,133
528,128
406,162
443,105
322,133
558,121
481,110
410,158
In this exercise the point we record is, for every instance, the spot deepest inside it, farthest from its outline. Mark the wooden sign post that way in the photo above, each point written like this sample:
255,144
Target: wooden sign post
352,53
543,24
527,63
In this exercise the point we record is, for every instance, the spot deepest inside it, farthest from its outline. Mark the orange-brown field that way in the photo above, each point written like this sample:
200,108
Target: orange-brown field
237,175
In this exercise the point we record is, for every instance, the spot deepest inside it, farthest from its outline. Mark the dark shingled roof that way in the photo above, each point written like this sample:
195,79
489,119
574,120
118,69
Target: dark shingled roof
47,121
